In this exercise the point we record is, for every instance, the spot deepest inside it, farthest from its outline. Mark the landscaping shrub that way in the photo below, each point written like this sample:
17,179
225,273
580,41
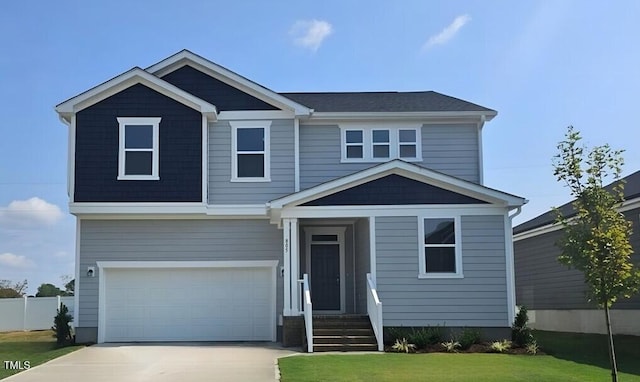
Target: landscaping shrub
425,336
468,337
532,347
501,346
521,333
392,334
61,326
403,346
451,346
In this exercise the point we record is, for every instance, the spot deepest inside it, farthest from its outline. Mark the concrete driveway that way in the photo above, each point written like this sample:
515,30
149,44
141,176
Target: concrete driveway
183,362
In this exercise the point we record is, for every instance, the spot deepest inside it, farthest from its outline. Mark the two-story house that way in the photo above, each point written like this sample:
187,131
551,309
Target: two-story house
212,208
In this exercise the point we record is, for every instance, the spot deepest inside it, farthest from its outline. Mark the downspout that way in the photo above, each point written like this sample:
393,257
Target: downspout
511,278
480,156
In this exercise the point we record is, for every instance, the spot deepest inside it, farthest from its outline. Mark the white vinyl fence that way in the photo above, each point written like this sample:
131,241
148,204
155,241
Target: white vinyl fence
31,313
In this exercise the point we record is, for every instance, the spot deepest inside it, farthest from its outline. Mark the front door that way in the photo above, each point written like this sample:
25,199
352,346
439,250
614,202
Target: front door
326,271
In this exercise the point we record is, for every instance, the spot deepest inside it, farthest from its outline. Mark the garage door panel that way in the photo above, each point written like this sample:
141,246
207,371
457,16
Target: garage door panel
189,304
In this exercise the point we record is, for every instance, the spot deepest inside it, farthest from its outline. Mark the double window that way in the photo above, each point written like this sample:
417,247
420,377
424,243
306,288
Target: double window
380,143
440,254
138,157
250,141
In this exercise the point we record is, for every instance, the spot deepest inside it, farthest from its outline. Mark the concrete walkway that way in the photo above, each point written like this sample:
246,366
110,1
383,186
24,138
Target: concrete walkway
183,362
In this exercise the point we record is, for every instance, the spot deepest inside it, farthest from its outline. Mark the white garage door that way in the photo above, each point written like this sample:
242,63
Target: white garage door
189,304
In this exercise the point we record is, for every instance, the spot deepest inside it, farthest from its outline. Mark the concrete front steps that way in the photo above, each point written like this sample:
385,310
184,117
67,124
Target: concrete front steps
344,333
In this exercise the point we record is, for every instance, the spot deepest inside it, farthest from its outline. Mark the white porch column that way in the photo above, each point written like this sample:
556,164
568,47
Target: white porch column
295,268
286,240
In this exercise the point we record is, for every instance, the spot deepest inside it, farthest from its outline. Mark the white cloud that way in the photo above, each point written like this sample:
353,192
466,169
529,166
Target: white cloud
310,33
32,212
15,261
447,33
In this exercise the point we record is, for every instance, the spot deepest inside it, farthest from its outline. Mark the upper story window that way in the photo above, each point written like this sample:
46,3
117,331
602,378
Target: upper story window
440,247
138,156
250,150
378,143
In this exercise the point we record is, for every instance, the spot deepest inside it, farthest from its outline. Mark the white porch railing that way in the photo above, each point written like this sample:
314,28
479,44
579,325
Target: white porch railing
308,312
374,309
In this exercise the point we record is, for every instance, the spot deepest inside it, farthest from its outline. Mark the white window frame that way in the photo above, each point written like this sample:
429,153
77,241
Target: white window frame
235,126
352,144
387,143
422,272
368,144
123,122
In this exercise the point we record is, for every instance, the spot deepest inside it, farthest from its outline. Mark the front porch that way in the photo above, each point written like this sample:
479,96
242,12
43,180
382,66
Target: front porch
328,285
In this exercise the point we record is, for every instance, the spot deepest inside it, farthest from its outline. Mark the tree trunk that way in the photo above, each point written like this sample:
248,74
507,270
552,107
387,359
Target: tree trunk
612,351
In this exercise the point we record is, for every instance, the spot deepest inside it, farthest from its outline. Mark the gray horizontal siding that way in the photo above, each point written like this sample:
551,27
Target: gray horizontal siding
174,240
222,191
451,149
477,300
543,283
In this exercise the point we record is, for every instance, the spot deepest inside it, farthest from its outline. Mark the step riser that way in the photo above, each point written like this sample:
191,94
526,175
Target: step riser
344,341
343,334
344,348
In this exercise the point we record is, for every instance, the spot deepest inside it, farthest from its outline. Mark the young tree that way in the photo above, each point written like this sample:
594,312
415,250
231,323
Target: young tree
596,238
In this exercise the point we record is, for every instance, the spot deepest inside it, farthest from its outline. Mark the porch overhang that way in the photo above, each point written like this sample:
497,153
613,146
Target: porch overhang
471,197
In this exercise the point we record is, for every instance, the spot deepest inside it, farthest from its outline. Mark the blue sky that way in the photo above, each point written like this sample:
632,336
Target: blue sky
542,64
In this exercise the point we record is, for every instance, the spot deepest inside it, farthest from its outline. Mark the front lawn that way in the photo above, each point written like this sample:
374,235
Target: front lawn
571,357
37,347
439,367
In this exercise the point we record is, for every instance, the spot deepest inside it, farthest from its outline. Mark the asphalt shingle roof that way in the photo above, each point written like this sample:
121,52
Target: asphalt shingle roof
631,191
383,102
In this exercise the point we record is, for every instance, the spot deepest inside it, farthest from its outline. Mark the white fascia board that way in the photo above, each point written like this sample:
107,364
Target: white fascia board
404,115
388,210
130,78
167,210
255,114
136,208
627,205
249,210
405,169
187,264
225,75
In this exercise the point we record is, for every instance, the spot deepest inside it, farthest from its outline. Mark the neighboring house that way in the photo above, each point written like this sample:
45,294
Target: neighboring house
555,295
203,199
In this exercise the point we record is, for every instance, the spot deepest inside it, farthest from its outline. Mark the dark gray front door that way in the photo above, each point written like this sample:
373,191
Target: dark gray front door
325,276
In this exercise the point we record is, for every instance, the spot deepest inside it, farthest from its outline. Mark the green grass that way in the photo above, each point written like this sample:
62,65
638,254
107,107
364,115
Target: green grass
591,349
37,347
572,357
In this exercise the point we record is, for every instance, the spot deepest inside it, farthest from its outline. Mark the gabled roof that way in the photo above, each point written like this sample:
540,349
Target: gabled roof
425,101
186,57
631,191
127,79
405,169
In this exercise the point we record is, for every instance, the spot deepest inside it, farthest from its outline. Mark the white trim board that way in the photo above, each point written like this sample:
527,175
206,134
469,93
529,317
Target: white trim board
128,79
185,57
411,171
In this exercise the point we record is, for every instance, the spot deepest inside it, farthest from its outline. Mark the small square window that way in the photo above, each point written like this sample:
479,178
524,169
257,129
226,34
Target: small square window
354,141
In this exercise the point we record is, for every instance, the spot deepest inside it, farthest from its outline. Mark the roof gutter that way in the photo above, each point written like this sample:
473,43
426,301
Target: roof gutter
445,115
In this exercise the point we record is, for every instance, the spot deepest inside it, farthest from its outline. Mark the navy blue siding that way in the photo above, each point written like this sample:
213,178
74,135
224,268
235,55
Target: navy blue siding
180,150
393,190
216,92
